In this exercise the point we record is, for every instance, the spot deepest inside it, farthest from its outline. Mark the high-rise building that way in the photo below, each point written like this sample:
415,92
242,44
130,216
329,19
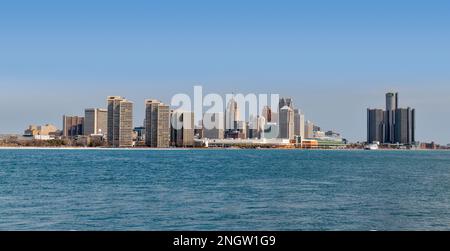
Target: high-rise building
375,125
393,125
299,123
255,128
157,124
309,130
287,124
389,116
95,121
213,125
285,102
182,129
404,126
72,126
119,122
232,115
267,113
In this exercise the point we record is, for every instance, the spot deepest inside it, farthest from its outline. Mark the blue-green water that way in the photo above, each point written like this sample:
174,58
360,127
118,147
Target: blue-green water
224,190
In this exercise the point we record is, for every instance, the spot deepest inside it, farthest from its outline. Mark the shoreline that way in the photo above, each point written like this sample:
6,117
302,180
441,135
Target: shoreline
194,148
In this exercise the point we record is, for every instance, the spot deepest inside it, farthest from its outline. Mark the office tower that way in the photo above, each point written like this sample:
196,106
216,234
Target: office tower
299,123
285,102
398,123
267,113
375,125
286,123
182,128
389,116
72,126
255,128
276,115
119,122
95,121
213,125
157,124
232,115
404,126
309,130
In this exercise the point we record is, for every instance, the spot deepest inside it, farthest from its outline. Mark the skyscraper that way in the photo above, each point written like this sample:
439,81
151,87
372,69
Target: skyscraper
213,125
182,128
404,126
375,125
120,122
72,126
389,116
286,123
267,113
309,130
157,124
232,115
392,126
286,102
299,123
95,121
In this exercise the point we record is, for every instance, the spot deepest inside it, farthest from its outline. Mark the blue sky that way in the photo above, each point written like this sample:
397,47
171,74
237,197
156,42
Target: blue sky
335,58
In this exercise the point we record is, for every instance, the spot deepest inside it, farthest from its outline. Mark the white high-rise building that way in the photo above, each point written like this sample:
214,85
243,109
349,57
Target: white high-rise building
95,121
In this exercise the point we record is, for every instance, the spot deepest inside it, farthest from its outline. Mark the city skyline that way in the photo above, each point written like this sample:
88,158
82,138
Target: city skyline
345,55
137,121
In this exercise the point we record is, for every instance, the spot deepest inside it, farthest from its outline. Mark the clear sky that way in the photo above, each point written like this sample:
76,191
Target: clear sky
335,58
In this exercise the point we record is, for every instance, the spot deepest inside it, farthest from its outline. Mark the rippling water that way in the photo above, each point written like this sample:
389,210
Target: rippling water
224,190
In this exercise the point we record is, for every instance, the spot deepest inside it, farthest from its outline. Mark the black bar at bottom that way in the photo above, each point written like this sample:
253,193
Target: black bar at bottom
223,239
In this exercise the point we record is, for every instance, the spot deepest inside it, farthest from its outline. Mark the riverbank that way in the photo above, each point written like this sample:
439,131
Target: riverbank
197,148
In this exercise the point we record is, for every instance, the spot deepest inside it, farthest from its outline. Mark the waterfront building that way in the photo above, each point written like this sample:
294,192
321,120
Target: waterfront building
332,134
44,132
95,121
182,129
232,115
309,130
404,126
285,102
72,126
389,117
119,122
256,127
157,124
375,125
267,113
286,123
139,134
214,128
392,126
299,123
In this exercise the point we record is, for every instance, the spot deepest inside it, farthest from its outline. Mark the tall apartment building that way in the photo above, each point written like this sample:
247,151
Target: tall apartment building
182,128
157,124
95,121
119,122
72,126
